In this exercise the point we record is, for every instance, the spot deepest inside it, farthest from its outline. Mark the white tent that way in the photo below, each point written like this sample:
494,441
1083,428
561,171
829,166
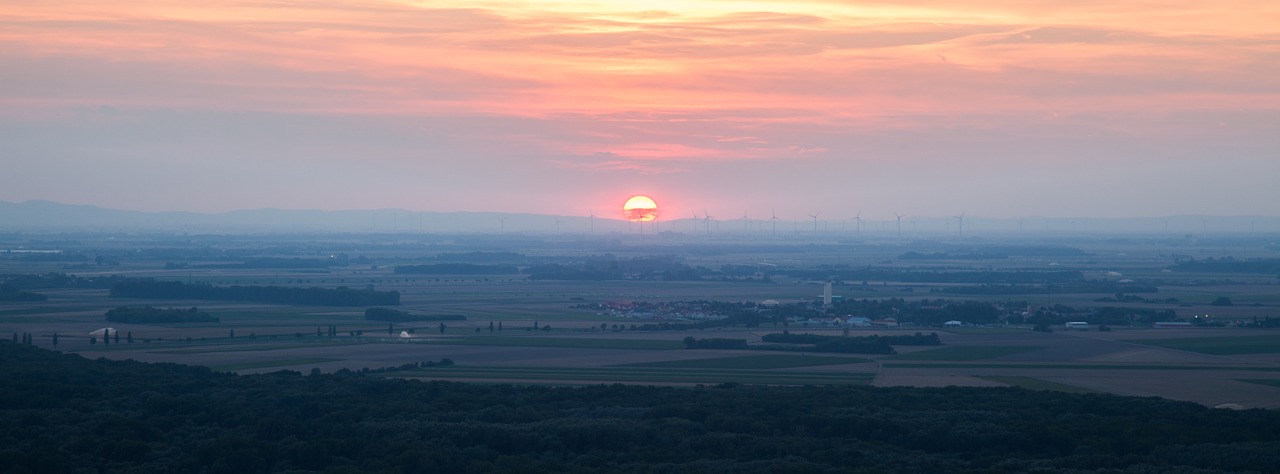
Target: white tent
405,335
104,331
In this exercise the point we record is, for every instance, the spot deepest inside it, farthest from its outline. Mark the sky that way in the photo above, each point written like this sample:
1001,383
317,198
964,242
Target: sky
997,108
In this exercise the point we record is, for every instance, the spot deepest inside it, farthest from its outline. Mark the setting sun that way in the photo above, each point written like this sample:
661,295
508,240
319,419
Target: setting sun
640,209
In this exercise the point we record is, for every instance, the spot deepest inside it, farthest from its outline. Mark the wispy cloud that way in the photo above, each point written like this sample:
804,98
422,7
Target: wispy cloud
658,88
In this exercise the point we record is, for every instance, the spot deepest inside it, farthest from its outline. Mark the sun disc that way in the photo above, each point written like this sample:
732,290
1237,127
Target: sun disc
640,209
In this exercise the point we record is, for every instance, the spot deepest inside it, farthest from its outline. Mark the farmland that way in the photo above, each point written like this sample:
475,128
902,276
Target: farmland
522,328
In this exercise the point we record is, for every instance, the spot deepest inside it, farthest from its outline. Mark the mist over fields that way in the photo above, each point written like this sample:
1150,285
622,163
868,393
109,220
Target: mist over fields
41,216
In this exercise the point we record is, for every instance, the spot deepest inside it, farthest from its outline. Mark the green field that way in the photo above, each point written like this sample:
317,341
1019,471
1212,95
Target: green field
750,362
963,353
42,309
568,342
560,375
981,331
1228,345
1033,383
231,347
943,365
273,363
1268,382
289,315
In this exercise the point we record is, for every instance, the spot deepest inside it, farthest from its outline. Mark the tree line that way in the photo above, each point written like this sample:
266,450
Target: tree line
150,315
785,341
40,281
263,262
340,296
395,315
12,293
917,339
608,267
457,269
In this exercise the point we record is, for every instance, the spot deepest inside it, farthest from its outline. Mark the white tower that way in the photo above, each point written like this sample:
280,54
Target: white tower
826,294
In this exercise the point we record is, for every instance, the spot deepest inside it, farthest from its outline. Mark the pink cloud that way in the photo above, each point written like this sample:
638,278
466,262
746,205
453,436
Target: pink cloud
618,90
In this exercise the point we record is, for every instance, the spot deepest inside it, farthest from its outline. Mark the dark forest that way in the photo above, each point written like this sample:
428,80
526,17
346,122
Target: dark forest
64,413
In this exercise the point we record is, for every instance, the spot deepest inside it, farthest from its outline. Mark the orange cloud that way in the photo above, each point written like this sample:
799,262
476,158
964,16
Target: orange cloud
627,75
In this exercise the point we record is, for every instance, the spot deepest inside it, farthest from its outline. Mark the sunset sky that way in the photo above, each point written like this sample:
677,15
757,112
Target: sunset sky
1001,108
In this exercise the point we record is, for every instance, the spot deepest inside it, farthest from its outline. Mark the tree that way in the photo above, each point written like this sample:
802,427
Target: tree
973,312
1221,301
490,327
55,339
442,326
129,337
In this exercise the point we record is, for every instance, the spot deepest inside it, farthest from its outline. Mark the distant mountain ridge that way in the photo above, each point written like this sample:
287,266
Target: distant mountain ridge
48,216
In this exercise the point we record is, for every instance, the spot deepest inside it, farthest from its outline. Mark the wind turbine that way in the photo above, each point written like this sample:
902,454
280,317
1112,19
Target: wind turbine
706,219
591,220
961,224
899,217
695,222
746,222
557,225
858,221
774,220
815,222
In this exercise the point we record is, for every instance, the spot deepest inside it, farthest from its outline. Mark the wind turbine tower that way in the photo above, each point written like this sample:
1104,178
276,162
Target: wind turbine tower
960,224
899,218
815,222
774,220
